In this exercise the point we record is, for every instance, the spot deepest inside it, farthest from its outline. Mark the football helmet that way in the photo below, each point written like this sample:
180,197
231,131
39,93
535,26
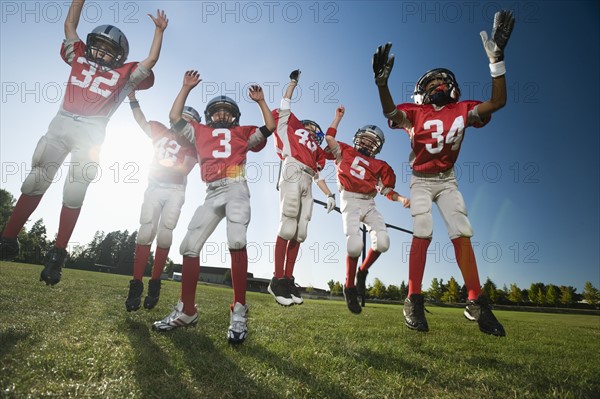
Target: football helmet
314,129
113,43
368,140
220,103
445,93
192,113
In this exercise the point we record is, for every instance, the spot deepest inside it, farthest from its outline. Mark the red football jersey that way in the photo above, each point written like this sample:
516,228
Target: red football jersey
359,173
222,152
170,152
436,135
92,91
297,143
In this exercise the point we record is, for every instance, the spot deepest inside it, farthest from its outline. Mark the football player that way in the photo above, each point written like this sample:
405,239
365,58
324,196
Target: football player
221,145
435,125
174,158
298,145
98,82
360,177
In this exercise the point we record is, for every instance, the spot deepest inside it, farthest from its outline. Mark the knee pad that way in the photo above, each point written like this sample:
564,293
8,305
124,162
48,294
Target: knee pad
164,238
74,193
287,228
354,246
37,182
236,235
146,234
380,241
462,226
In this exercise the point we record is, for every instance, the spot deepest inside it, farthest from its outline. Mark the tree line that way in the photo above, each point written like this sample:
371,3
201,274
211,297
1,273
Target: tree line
538,294
114,252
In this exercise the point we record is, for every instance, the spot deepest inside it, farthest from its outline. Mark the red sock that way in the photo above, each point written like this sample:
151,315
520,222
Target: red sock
140,260
239,274
370,259
293,247
160,258
21,212
189,281
416,264
68,220
351,271
280,249
468,265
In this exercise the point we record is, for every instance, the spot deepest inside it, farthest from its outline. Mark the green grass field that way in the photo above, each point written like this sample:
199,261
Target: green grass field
77,340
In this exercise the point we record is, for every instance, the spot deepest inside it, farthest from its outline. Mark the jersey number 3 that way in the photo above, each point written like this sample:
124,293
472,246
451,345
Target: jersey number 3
453,137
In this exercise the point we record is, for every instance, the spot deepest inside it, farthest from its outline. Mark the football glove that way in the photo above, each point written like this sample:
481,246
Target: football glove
383,63
330,203
295,75
504,22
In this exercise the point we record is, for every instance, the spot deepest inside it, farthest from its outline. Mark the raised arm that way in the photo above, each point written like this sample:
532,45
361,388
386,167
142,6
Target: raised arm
191,79
383,63
160,22
138,115
294,78
72,20
256,94
504,22
332,131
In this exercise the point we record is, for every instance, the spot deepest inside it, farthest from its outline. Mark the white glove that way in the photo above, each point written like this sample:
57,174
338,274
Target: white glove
330,203
504,22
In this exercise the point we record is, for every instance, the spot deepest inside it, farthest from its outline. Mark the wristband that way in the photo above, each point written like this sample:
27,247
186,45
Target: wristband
265,131
134,104
331,196
498,69
391,114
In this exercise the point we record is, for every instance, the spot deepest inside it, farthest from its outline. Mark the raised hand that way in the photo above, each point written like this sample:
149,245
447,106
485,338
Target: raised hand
256,93
504,22
383,63
191,78
340,111
295,75
160,21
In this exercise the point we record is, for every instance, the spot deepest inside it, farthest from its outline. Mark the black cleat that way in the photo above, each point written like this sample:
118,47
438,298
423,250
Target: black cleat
280,289
55,260
361,284
414,313
153,294
295,291
479,310
9,248
134,298
351,295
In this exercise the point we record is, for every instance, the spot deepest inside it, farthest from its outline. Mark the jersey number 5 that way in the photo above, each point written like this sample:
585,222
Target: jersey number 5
93,82
358,170
453,137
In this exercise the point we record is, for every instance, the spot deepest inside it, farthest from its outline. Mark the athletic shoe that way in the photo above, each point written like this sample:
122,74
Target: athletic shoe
479,310
414,313
134,298
295,291
351,295
9,248
55,260
280,289
153,294
361,282
238,324
176,319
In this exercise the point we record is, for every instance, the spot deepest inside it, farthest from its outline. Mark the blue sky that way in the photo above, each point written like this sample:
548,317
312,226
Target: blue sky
530,178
